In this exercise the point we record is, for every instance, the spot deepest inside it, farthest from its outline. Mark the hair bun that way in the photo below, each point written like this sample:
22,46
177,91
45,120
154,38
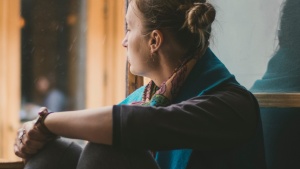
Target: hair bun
200,17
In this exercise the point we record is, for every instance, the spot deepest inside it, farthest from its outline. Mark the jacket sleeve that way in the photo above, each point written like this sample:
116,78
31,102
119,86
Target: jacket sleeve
217,120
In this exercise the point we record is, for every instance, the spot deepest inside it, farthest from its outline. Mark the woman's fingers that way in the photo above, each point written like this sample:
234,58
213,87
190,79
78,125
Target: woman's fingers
18,144
31,146
29,140
18,152
32,141
36,134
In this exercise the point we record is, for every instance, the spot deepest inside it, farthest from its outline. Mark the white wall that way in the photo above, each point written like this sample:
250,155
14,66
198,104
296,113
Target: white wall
245,36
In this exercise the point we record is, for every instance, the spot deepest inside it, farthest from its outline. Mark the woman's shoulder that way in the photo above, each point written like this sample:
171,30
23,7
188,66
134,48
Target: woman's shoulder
235,95
230,99
232,89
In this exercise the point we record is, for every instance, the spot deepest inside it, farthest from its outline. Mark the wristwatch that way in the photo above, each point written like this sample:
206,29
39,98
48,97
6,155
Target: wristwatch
40,125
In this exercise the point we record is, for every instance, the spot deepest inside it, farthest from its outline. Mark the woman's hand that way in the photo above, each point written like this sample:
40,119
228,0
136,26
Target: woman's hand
30,139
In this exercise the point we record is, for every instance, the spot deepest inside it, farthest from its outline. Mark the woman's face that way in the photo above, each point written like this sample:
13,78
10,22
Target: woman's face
138,50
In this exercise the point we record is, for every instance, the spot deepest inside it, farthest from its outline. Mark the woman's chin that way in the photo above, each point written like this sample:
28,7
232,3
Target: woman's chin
135,72
132,71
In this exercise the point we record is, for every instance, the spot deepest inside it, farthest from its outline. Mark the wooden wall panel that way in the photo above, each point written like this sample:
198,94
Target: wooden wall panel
105,56
9,75
95,41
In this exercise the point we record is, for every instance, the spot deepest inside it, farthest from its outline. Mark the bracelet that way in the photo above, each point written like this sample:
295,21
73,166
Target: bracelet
41,125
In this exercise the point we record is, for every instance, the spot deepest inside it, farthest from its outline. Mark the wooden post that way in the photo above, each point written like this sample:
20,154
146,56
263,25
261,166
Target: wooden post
9,75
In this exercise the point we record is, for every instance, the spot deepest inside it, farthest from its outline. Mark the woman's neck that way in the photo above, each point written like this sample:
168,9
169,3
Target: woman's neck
165,70
169,58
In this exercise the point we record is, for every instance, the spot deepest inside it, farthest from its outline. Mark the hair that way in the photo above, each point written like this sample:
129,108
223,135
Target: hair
189,21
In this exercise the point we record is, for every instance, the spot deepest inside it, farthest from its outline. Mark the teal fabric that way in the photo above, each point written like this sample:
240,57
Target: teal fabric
137,95
208,73
175,159
281,125
282,74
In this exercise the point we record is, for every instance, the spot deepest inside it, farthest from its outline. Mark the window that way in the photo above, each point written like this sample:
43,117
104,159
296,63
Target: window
258,41
72,45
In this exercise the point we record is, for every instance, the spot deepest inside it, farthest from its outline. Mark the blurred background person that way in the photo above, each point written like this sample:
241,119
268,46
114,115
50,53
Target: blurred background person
47,95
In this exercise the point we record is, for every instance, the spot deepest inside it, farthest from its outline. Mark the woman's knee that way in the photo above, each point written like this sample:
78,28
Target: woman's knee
107,157
59,154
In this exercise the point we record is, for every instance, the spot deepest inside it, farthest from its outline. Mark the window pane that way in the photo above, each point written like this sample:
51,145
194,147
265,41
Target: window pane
72,57
259,42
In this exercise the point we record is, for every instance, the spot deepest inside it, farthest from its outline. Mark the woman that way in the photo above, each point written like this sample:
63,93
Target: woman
193,114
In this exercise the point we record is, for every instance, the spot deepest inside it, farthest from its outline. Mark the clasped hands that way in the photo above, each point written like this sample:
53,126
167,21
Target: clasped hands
32,137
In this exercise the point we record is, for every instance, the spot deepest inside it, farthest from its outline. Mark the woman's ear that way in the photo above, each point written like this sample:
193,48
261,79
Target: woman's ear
156,40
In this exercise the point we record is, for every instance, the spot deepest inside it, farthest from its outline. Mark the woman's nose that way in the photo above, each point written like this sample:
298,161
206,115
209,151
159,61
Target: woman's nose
125,41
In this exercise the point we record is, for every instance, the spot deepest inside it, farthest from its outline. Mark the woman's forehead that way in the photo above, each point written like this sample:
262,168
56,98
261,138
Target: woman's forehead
132,14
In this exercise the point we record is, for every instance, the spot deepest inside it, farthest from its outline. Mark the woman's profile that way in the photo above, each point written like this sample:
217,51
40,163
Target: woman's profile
192,114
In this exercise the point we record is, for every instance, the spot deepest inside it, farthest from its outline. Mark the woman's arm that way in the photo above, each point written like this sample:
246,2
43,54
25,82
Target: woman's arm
221,119
94,125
